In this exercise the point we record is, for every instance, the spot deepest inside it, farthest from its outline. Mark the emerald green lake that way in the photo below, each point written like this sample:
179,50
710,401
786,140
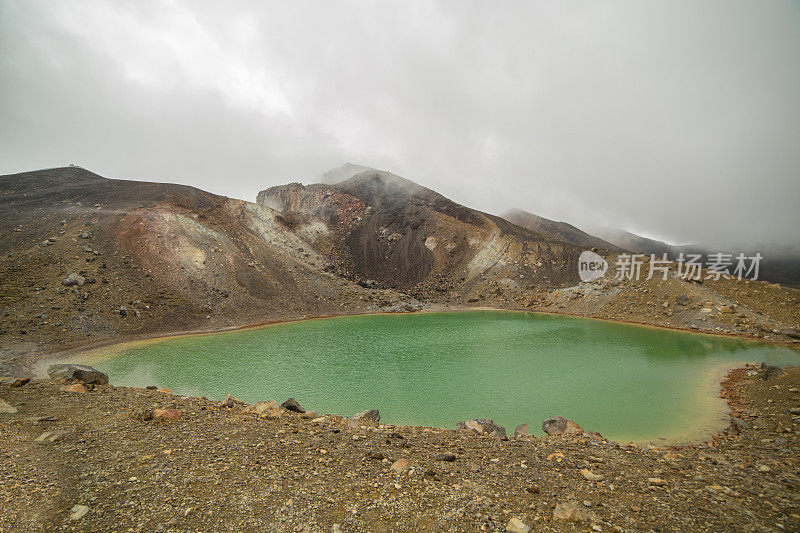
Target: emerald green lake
435,369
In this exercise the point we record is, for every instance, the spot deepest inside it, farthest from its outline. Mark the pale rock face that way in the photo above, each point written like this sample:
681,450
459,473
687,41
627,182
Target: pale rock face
269,409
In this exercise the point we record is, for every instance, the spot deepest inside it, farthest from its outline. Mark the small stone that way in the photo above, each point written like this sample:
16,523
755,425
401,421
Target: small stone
400,465
52,436
739,424
794,411
20,382
764,469
167,414
591,476
522,429
378,456
143,414
77,512
657,481
515,525
336,528
447,457
75,387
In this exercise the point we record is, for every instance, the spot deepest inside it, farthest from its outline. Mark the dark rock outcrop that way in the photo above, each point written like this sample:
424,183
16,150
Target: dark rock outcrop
83,373
292,405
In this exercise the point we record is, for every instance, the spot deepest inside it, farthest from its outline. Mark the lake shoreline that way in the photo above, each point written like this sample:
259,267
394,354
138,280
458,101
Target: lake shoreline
56,353
713,420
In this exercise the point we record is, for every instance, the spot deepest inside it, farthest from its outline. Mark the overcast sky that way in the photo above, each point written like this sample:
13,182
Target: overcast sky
679,120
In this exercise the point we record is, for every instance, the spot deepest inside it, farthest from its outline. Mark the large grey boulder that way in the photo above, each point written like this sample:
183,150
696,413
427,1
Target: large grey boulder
83,373
558,425
483,426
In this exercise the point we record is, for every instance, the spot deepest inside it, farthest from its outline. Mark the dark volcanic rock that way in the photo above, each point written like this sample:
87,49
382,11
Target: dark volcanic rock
83,373
292,405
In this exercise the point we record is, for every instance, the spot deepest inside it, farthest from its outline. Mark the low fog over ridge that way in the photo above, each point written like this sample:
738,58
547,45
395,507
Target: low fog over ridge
674,120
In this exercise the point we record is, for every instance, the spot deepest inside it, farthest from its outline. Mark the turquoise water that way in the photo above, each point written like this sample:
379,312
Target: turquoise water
434,369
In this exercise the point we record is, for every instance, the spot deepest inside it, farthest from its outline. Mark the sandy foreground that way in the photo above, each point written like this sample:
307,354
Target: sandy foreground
100,460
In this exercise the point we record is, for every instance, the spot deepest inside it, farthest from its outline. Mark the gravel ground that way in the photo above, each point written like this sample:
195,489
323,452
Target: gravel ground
221,466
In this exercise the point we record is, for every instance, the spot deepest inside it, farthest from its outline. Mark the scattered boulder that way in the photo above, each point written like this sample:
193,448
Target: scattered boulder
292,405
558,425
521,429
769,371
682,300
269,409
483,426
570,511
230,401
167,414
370,416
83,373
19,382
73,279
7,408
447,457
515,525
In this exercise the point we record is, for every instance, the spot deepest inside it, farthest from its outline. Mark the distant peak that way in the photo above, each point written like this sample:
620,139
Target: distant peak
340,174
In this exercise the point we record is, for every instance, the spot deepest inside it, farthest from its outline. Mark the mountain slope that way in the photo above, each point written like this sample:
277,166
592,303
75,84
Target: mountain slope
382,228
155,258
779,265
556,230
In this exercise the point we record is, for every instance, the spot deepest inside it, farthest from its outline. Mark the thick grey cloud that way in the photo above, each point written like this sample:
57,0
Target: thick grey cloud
680,120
